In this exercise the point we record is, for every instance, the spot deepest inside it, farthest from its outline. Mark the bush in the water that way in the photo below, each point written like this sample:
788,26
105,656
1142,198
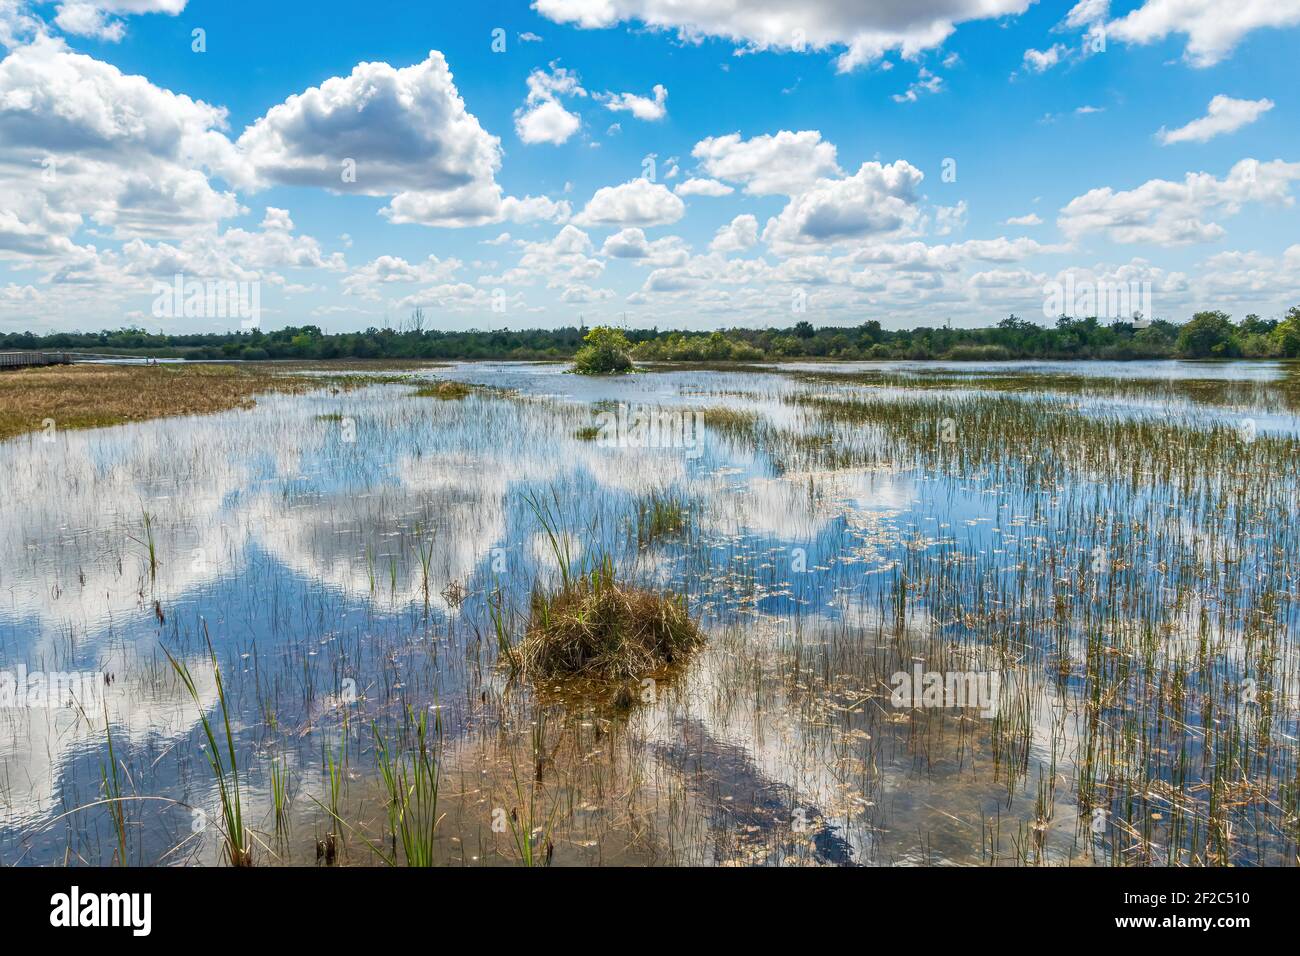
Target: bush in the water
607,352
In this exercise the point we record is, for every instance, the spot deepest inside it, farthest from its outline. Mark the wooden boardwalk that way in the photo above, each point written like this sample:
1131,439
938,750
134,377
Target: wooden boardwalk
26,359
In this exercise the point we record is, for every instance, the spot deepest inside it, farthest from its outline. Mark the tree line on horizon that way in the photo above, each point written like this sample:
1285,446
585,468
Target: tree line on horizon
1207,335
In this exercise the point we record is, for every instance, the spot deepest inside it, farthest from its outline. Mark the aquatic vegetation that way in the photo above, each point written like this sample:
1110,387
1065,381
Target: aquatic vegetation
1105,567
659,515
225,767
530,833
445,390
1185,389
594,626
411,783
280,784
597,627
736,423
112,784
334,767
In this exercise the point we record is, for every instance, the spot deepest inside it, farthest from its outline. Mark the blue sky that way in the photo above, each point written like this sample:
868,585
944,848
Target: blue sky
1149,143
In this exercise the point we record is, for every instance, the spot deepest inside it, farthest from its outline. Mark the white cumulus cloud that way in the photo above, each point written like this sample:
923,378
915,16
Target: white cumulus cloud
877,199
1213,27
1175,213
635,203
388,131
702,187
543,118
85,141
1225,115
739,234
783,164
862,32
642,107
96,18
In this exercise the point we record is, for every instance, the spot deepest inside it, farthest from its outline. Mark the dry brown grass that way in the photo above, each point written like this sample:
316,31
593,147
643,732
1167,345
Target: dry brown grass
597,628
92,396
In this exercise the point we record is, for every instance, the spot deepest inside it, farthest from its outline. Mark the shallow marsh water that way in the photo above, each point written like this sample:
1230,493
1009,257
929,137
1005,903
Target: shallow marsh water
1123,555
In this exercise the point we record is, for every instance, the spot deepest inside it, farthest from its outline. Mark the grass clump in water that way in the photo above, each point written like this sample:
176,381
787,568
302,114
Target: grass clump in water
597,627
411,780
658,516
739,425
445,390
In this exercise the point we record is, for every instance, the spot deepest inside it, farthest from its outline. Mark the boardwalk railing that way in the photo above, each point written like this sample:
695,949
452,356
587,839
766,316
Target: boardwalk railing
23,359
27,359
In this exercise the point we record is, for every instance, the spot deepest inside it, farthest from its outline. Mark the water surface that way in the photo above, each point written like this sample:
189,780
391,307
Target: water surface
345,552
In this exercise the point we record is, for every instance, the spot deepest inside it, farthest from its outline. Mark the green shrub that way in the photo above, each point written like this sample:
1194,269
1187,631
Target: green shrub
606,352
1208,335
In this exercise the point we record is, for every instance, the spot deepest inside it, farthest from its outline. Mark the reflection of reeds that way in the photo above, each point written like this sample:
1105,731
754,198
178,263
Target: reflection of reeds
424,549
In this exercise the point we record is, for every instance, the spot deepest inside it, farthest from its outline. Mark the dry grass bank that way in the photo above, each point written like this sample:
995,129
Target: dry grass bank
93,396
